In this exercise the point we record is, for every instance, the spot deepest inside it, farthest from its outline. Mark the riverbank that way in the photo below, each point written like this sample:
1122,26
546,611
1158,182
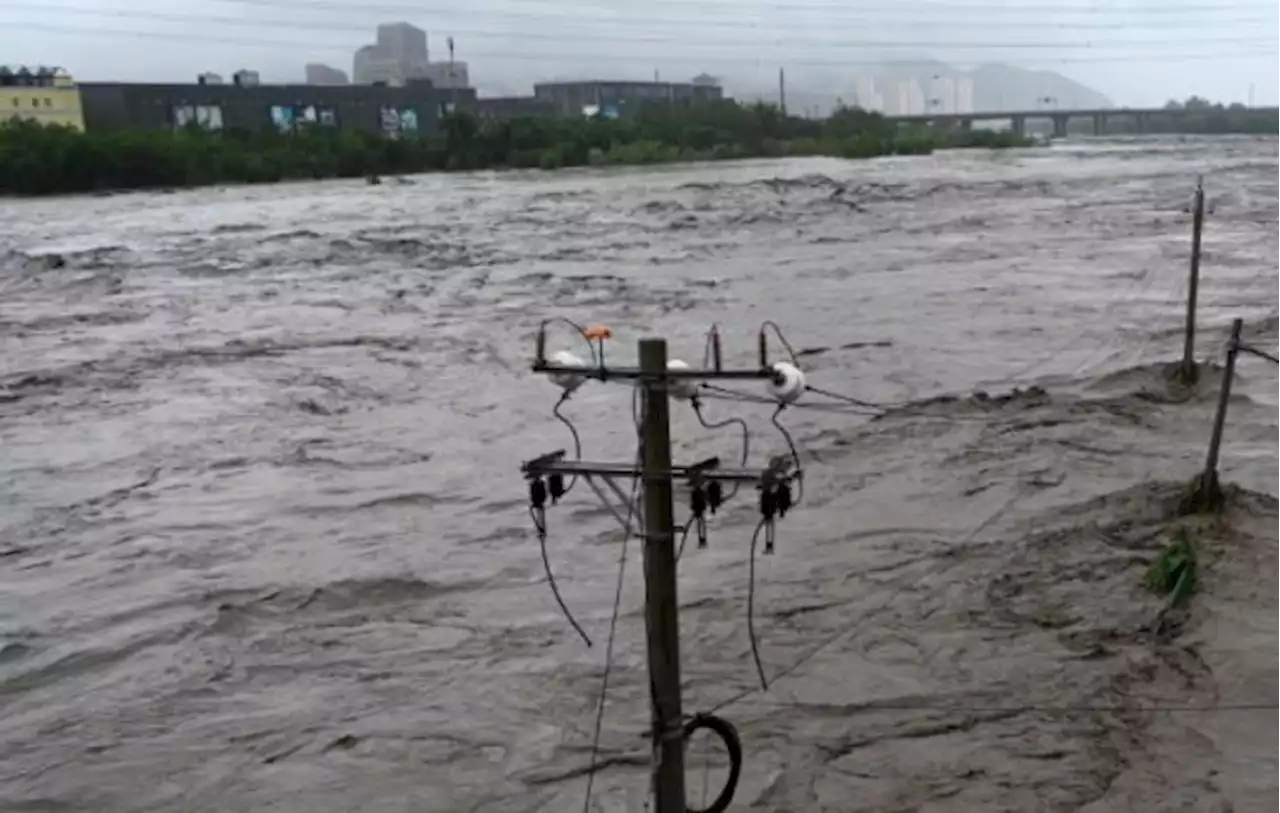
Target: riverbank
37,160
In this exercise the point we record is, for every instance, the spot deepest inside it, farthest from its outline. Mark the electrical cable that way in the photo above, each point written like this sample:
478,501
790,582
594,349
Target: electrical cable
764,523
828,640
795,454
1101,708
927,9
777,331
1248,348
835,396
613,627
689,27
725,424
577,445
684,536
539,516
733,745
753,57
579,329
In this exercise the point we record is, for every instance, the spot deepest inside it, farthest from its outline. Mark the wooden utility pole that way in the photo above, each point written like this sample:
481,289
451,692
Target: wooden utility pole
1188,370
657,473
662,623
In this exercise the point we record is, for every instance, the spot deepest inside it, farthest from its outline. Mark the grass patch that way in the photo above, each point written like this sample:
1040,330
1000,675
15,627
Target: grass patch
1172,576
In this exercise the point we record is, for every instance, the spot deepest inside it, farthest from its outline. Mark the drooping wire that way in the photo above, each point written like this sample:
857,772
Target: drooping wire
577,439
795,454
617,603
777,331
539,515
684,536
848,399
828,640
726,423
580,330
1248,348
751,602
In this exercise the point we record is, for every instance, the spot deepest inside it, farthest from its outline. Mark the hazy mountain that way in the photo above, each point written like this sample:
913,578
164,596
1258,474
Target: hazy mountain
995,87
1002,87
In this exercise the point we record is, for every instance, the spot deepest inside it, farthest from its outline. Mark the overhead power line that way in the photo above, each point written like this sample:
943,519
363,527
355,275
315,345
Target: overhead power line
654,38
725,16
755,56
914,7
809,38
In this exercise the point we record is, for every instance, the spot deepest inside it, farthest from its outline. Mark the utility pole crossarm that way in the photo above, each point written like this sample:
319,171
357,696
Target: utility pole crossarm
635,373
706,470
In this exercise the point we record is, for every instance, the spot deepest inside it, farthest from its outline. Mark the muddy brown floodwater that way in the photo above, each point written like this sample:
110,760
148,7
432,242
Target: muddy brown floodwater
264,543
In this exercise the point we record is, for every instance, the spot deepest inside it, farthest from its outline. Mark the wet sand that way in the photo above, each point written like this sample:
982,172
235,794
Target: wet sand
263,540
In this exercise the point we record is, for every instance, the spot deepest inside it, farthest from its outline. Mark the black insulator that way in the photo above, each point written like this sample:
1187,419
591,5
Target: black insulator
784,499
768,503
555,485
537,492
715,495
702,532
698,501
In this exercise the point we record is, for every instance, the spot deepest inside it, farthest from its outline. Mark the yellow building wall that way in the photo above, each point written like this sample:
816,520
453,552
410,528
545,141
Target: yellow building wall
46,105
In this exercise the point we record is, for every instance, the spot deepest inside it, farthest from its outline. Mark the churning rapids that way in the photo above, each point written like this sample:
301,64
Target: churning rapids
264,543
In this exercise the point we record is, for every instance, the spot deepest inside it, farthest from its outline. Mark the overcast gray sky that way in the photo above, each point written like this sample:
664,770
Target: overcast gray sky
1138,53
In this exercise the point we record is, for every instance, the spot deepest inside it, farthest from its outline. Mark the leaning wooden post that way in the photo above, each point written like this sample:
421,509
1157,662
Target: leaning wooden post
1188,371
1206,492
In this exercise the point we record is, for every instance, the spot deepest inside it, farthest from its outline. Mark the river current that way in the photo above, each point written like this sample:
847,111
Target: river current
264,542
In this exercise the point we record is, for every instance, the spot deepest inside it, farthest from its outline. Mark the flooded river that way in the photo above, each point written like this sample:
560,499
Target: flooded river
264,542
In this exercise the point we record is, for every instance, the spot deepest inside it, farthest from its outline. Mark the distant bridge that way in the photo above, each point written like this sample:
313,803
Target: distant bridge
1141,116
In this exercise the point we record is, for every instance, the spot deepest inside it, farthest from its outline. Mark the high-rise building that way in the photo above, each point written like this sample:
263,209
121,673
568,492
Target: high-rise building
400,54
964,95
942,95
404,42
318,74
905,98
867,96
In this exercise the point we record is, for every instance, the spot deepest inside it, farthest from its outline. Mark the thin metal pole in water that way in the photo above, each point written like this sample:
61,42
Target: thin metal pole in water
1193,286
661,608
1224,395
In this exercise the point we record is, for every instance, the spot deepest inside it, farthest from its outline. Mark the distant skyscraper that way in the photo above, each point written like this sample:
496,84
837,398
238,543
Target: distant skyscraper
400,54
404,42
942,95
318,74
866,95
905,98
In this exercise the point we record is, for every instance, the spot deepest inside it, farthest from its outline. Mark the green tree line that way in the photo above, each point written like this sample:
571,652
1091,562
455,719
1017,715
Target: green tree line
1201,116
39,160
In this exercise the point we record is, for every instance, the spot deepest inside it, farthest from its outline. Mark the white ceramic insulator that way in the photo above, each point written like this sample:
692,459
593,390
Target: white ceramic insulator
567,381
681,388
787,384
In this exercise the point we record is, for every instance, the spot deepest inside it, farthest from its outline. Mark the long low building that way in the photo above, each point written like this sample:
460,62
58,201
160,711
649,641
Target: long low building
613,97
50,96
389,110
